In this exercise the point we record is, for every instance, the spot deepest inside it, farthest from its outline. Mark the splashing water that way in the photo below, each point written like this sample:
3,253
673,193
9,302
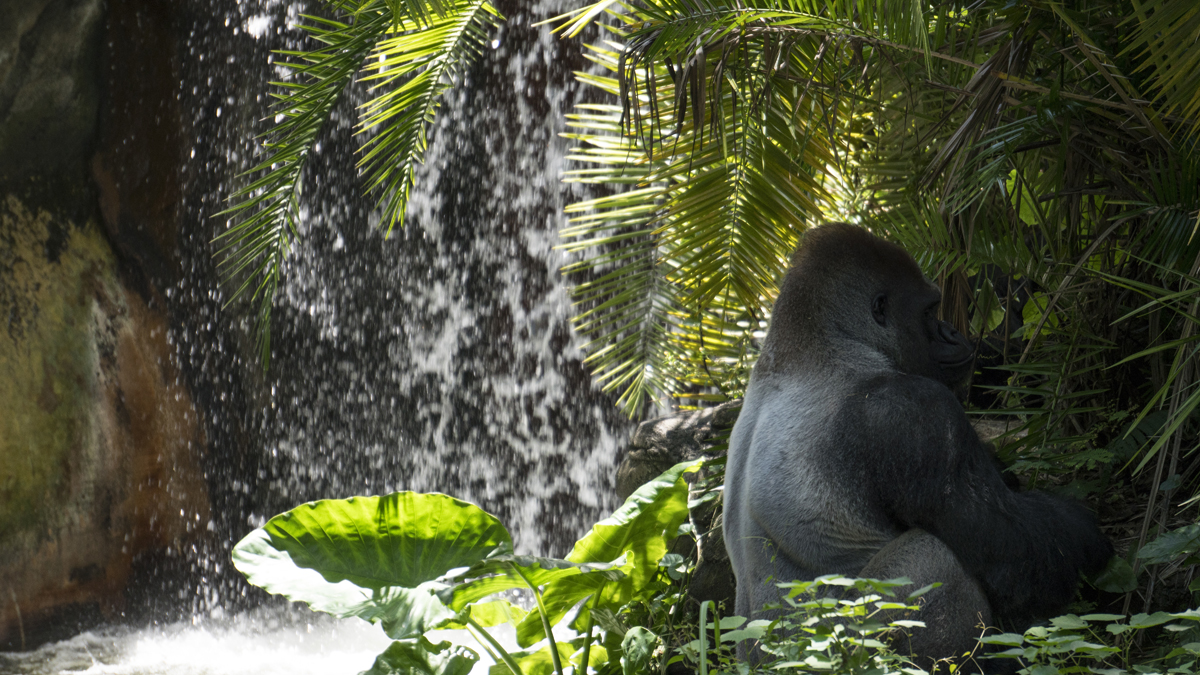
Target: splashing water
253,644
439,359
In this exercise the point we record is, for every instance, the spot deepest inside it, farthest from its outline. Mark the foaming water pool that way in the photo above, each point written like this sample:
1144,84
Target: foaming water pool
258,643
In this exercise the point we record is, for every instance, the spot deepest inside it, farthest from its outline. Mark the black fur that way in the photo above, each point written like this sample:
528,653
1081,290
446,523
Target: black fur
851,436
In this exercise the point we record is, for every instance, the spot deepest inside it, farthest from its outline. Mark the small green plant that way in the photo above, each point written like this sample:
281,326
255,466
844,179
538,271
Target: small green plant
843,626
831,624
415,562
1099,643
649,628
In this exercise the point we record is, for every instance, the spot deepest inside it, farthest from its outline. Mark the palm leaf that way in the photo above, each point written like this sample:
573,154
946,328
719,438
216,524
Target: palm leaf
1164,39
419,47
266,208
722,176
409,71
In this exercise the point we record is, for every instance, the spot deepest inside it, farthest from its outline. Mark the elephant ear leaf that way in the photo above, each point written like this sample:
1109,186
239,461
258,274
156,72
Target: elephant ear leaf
377,558
643,526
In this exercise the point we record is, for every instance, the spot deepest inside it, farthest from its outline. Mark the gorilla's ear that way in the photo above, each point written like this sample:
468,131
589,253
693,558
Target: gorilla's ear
879,309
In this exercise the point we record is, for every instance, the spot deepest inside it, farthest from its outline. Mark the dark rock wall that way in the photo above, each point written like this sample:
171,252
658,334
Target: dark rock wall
139,148
100,443
49,96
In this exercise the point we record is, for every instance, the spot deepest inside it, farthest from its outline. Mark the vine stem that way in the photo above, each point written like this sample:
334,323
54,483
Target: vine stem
545,620
591,623
479,631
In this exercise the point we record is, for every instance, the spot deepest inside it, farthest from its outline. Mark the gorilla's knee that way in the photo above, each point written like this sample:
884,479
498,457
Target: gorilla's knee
955,613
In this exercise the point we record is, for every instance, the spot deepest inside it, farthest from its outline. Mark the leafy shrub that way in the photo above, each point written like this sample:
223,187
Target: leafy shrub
419,562
1098,643
832,624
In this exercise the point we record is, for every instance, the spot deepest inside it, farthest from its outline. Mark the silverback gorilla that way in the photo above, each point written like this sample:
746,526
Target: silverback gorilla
852,455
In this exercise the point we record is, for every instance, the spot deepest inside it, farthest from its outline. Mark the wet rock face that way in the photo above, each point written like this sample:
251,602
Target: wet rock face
49,89
663,442
99,441
138,151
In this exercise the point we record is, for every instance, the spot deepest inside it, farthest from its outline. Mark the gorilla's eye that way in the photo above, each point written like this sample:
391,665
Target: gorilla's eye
879,309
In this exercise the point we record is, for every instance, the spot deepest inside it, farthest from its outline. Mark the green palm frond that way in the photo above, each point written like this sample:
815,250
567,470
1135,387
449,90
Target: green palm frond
1165,41
410,51
723,175
265,209
625,303
421,12
732,138
409,71
733,135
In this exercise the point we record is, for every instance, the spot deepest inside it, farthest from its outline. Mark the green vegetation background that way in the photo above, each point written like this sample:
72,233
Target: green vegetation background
1038,158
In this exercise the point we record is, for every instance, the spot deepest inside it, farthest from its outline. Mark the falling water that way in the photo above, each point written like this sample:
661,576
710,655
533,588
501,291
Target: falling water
440,358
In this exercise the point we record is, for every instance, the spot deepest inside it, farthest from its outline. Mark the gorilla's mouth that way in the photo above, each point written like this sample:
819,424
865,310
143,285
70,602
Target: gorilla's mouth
961,363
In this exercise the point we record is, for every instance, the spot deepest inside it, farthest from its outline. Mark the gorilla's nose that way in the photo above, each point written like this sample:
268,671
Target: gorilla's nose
947,332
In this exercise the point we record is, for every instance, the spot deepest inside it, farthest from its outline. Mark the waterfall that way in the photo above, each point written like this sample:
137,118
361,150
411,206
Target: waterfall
440,358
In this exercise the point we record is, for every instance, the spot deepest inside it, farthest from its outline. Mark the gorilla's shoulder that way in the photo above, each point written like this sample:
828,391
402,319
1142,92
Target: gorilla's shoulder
906,393
900,406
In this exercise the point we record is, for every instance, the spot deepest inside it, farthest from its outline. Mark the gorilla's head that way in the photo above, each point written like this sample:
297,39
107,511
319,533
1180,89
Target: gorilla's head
853,296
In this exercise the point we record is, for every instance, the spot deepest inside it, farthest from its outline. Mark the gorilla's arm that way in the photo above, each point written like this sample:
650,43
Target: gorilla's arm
931,471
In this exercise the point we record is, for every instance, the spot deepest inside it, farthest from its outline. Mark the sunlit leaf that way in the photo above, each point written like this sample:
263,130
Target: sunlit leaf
378,558
639,531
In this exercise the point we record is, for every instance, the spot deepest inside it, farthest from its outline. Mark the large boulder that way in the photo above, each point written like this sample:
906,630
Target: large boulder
98,439
50,88
661,443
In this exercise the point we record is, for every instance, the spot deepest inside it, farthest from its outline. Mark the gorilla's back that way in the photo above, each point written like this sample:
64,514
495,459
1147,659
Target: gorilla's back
783,485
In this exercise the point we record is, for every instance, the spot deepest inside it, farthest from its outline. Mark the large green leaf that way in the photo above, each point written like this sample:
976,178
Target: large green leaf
378,558
422,657
636,649
488,614
1173,544
640,529
406,613
643,525
504,572
1118,577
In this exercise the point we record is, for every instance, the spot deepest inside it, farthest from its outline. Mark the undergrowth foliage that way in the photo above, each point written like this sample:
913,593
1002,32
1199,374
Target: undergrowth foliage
415,563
